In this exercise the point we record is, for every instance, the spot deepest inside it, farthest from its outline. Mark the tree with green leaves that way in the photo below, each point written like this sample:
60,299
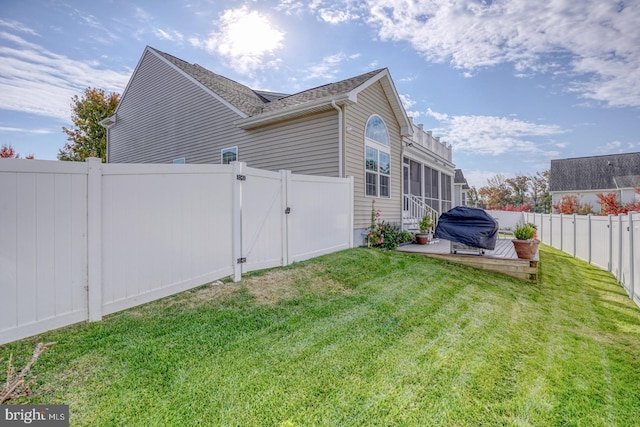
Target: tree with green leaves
540,195
473,198
88,138
519,190
497,193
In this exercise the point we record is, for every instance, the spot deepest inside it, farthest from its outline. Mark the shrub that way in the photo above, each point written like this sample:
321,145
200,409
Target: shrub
524,232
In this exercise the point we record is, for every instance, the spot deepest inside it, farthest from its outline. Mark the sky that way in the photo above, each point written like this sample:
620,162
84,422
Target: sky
510,84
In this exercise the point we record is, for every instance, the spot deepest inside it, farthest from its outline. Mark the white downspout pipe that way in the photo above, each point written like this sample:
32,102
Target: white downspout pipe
334,105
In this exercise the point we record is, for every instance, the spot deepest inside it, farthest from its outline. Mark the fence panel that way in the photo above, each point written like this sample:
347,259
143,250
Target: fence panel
43,252
321,219
582,237
600,242
80,240
556,238
166,228
568,234
263,225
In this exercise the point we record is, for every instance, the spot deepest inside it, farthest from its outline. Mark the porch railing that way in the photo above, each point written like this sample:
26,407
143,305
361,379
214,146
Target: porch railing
413,209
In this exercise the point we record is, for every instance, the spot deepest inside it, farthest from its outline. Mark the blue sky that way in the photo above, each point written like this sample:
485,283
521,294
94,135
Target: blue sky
509,84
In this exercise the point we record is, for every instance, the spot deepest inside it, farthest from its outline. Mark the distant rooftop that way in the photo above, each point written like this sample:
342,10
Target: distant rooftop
596,173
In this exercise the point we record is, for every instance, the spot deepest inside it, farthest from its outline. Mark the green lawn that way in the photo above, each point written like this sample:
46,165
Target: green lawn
358,338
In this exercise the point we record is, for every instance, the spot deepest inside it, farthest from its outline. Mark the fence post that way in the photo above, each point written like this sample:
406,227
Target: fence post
351,237
236,219
573,222
562,232
550,229
285,182
94,238
610,227
631,257
619,275
589,239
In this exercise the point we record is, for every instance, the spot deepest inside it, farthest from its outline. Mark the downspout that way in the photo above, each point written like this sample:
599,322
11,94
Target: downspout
334,105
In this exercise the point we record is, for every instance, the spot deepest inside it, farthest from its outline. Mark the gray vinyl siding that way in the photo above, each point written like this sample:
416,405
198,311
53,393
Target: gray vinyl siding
372,101
164,116
307,145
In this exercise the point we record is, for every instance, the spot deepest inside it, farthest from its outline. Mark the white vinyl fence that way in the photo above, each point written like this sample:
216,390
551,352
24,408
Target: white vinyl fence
609,242
82,240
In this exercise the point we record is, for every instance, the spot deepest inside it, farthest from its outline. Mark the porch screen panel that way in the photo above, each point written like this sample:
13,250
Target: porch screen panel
446,192
431,193
415,178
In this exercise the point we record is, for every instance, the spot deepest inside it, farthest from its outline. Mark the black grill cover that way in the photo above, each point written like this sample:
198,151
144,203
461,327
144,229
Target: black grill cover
469,226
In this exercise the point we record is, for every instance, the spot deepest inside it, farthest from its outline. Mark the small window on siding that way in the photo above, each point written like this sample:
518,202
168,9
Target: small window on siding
180,161
229,155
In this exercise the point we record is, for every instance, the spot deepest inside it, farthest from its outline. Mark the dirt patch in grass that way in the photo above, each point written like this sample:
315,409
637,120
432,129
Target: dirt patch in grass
283,284
269,288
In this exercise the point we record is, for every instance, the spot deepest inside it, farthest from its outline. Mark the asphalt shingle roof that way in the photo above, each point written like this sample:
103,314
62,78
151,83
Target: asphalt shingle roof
252,102
596,173
459,178
238,95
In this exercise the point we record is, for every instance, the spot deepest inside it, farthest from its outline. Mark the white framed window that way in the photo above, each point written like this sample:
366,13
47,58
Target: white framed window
377,158
180,161
229,155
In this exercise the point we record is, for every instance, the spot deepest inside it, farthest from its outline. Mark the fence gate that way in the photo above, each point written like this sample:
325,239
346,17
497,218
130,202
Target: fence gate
263,204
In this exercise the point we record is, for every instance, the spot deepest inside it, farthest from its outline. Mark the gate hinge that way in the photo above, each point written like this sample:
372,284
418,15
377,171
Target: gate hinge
242,260
288,210
241,177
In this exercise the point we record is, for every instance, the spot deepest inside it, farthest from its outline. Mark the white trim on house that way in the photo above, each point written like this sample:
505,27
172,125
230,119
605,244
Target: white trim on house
391,92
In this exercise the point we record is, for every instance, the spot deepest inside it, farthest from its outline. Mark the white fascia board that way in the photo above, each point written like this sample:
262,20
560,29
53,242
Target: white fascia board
400,113
287,112
108,121
424,156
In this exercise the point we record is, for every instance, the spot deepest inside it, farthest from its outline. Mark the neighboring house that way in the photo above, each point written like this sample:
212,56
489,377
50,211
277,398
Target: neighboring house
585,177
460,188
174,111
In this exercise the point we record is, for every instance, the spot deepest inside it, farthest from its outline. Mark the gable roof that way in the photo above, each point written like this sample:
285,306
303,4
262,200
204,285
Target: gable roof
238,95
326,97
459,178
596,173
258,108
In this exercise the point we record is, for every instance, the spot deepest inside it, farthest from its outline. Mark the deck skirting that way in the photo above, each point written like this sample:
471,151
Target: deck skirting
502,259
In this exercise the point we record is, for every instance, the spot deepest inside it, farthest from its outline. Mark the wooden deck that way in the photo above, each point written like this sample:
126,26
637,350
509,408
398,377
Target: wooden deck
502,260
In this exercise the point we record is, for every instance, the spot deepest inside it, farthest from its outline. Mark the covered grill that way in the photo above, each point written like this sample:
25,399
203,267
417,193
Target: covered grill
468,229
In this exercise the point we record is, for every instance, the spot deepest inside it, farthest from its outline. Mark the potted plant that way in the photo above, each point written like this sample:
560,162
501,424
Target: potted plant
525,244
425,225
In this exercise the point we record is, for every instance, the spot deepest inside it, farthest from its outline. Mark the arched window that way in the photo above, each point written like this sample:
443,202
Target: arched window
376,130
377,158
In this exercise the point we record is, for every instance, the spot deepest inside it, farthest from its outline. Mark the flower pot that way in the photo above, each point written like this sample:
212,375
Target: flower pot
526,249
422,239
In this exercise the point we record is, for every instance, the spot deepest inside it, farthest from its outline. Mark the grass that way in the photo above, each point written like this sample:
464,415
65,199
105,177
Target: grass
360,337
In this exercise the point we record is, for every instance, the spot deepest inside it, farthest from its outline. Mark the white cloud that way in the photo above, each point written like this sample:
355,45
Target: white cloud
326,69
171,35
245,38
335,16
17,26
35,80
597,42
490,135
23,130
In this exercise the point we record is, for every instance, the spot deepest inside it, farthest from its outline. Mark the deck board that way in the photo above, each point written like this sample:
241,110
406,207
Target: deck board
503,259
